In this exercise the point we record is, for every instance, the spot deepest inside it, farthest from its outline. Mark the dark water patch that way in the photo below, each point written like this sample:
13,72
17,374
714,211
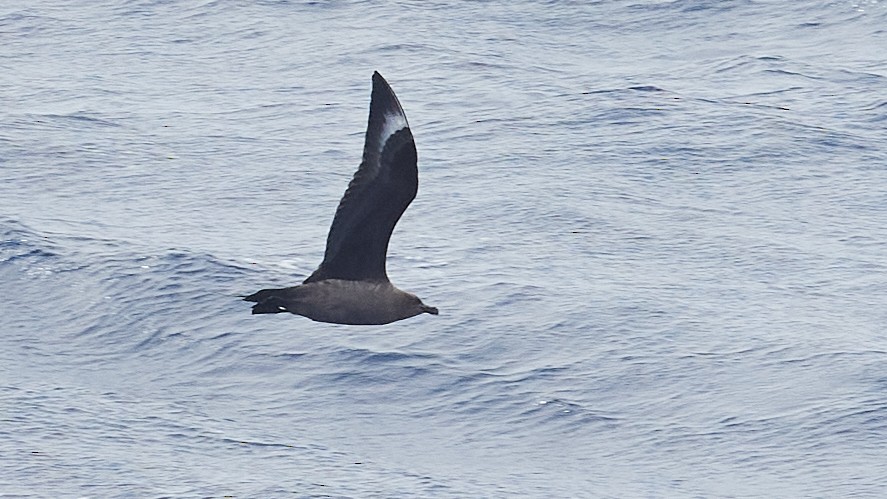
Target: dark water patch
18,242
66,121
646,88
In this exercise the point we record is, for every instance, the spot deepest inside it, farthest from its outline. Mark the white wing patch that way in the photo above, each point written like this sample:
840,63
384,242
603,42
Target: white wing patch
391,125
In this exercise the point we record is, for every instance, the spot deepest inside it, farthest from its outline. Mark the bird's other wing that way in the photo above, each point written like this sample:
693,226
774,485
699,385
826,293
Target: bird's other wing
382,188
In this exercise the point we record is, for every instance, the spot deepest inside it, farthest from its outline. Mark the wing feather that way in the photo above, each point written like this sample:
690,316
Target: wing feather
383,186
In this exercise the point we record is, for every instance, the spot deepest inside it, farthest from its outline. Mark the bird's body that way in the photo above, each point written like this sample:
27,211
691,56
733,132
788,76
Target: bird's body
351,285
356,302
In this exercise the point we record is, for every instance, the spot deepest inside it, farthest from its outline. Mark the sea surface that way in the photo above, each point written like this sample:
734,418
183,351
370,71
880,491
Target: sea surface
656,232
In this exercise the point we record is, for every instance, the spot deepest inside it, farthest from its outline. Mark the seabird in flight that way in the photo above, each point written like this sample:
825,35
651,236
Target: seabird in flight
351,286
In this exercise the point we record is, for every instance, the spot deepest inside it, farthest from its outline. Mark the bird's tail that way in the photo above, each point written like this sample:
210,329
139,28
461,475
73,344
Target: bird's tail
267,302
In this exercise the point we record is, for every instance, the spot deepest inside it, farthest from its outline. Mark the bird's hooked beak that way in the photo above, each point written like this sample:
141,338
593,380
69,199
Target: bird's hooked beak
430,310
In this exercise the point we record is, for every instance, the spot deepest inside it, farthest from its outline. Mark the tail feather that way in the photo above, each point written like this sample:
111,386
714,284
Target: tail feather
270,305
267,301
262,295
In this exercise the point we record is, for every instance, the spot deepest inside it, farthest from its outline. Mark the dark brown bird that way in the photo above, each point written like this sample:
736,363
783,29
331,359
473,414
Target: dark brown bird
351,286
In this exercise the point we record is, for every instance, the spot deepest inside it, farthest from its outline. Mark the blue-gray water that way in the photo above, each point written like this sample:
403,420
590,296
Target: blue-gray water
656,232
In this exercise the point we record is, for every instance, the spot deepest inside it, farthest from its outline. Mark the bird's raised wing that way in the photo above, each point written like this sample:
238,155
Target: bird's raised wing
377,196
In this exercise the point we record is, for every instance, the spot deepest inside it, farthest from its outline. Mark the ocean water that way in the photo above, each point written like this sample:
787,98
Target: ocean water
656,232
